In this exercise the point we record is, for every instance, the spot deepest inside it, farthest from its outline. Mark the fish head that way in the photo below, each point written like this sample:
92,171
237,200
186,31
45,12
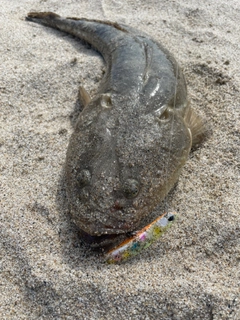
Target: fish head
117,172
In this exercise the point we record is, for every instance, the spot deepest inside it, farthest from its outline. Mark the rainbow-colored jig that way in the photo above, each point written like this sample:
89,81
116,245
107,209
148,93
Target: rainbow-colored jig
141,240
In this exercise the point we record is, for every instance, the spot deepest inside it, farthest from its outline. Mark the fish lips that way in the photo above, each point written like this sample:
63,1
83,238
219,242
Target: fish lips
101,241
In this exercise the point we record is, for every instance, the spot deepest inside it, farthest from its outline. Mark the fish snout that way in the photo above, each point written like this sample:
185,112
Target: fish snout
117,206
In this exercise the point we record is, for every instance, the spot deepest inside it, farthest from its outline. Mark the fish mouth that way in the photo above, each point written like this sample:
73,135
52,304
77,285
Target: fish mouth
101,241
109,236
108,225
104,229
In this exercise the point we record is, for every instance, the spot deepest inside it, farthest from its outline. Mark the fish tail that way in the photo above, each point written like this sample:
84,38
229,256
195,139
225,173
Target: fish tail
46,18
92,31
55,21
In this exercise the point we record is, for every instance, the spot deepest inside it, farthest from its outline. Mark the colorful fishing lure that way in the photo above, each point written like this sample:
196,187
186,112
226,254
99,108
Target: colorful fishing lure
141,240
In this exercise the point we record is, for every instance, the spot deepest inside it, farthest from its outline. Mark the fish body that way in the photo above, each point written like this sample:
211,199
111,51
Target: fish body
132,139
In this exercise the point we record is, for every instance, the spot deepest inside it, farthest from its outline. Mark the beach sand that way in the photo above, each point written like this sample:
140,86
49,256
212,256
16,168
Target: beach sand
192,272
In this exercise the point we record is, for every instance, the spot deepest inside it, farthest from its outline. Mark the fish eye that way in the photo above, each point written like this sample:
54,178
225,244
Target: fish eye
131,188
84,177
166,115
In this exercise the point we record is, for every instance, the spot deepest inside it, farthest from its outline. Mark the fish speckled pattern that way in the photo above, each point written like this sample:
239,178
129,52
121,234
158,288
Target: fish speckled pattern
132,139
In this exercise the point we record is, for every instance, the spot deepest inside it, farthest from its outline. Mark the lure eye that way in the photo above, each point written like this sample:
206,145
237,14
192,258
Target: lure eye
171,217
84,177
131,188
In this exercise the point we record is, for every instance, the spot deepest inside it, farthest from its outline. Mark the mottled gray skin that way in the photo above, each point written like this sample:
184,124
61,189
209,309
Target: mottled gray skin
131,140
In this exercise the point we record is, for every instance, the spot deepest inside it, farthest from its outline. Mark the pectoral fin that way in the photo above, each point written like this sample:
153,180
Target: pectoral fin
197,127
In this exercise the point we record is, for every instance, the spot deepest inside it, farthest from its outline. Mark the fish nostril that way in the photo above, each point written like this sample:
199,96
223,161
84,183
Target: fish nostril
117,205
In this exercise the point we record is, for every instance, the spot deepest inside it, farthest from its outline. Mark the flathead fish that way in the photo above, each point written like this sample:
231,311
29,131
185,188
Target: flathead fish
133,137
